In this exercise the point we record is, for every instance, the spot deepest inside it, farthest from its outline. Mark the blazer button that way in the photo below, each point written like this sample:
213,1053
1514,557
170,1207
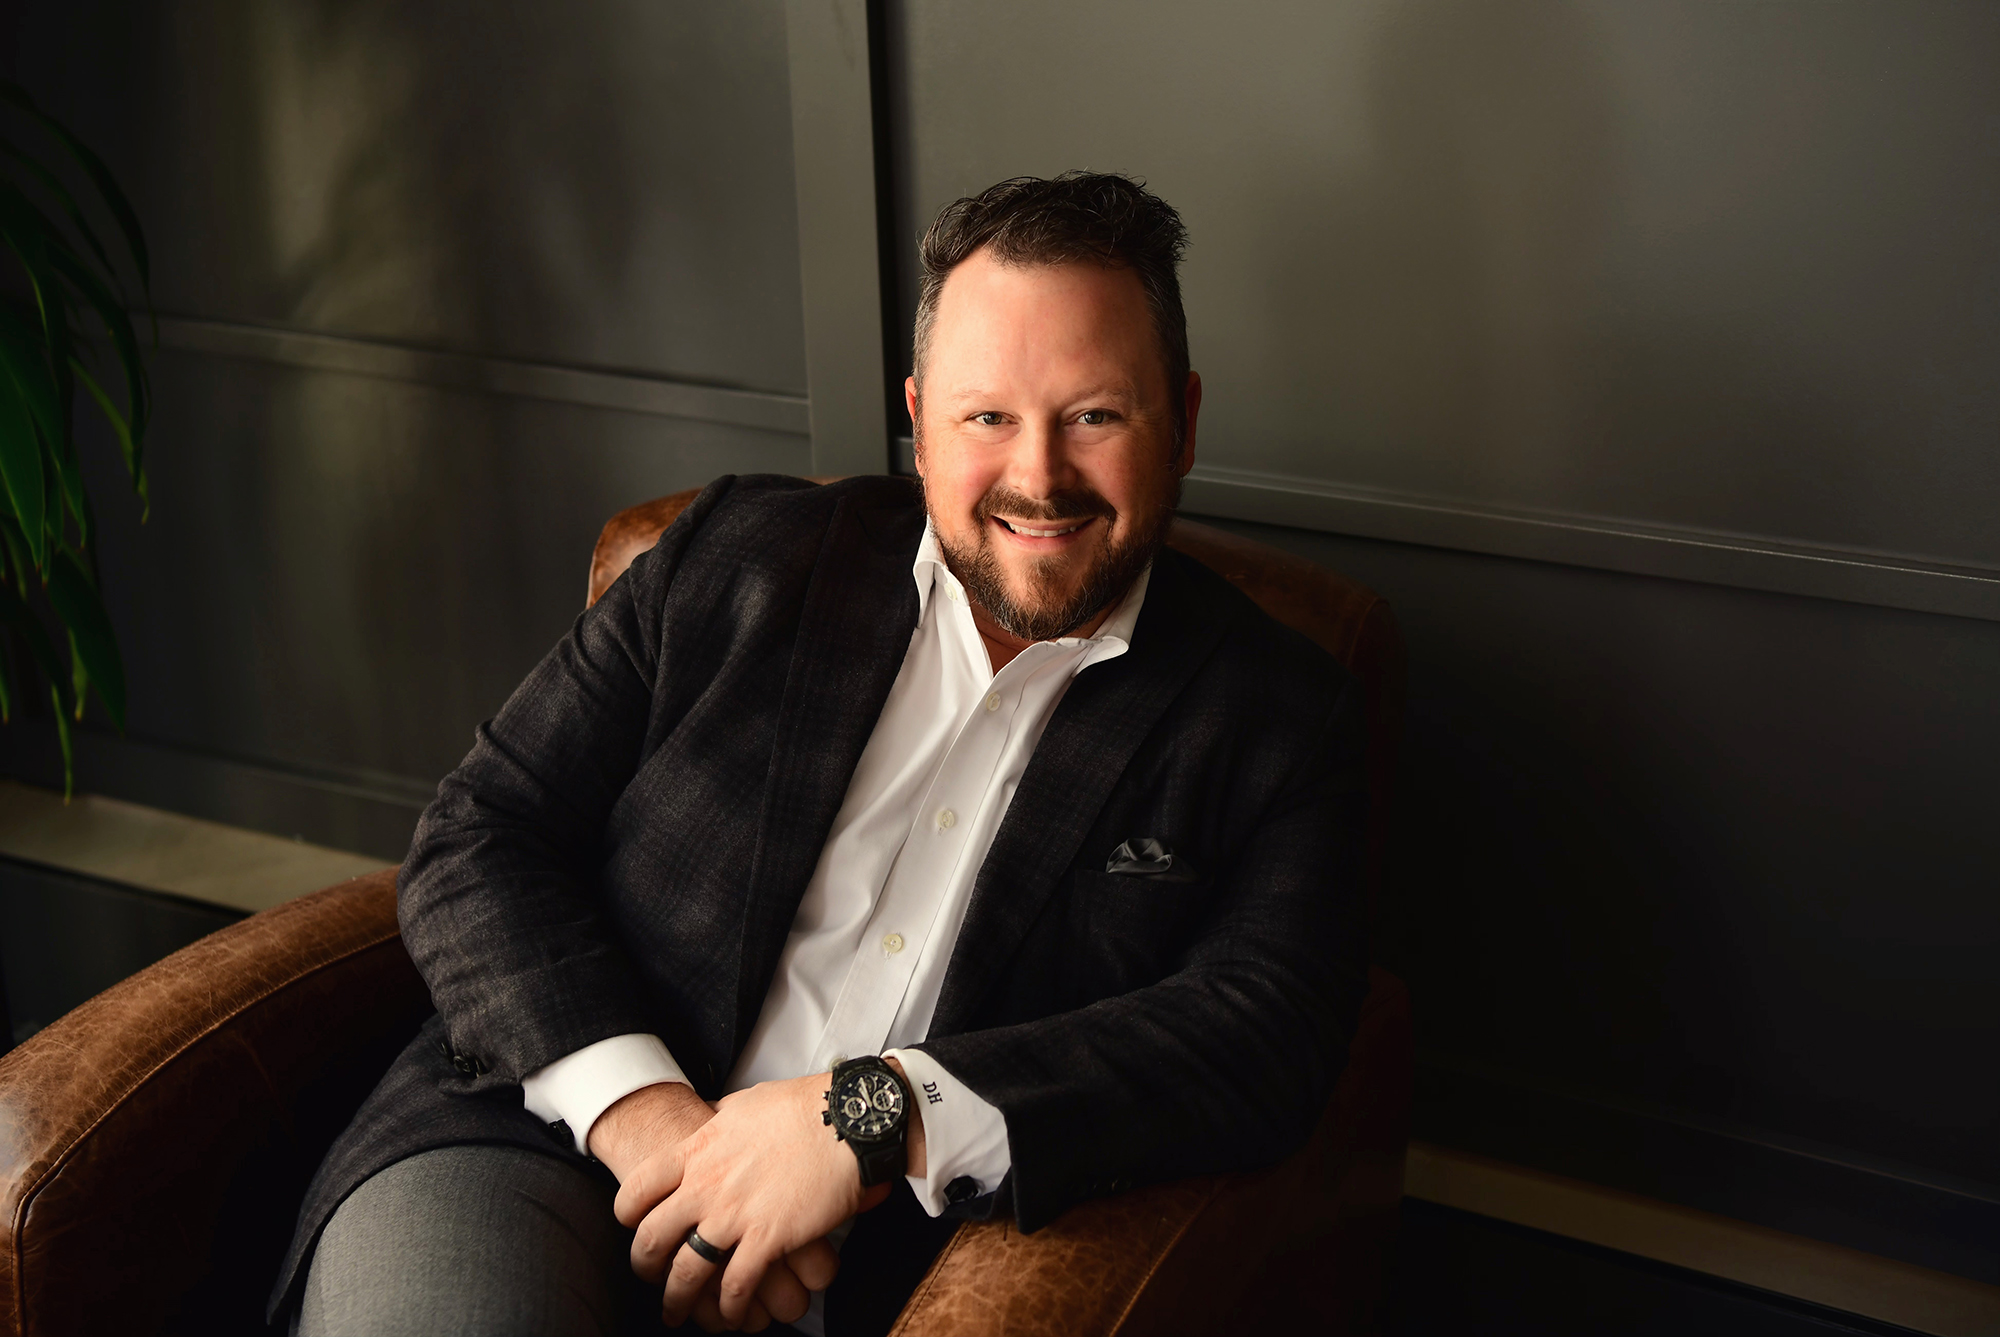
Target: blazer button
465,1066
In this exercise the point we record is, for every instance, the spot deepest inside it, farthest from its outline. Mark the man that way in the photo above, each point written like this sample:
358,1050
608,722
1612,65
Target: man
969,849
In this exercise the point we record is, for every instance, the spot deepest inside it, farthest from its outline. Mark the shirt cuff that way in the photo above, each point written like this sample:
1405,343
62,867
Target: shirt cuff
576,1089
965,1138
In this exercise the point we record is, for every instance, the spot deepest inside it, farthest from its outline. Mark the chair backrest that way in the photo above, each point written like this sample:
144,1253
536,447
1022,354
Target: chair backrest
1347,619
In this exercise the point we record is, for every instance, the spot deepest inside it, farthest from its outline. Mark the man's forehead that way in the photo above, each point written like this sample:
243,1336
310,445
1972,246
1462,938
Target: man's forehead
987,389
1027,312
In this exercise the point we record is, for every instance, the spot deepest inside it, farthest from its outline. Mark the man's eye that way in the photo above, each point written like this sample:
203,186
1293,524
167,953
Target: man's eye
1094,417
988,419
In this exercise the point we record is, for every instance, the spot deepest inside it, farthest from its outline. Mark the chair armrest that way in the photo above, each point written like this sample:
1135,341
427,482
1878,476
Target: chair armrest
1301,1246
158,1137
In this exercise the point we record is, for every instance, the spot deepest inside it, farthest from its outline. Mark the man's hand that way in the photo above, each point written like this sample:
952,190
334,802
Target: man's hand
642,1122
655,1119
766,1177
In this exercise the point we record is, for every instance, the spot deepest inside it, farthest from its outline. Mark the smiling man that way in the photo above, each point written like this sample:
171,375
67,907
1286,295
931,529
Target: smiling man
870,857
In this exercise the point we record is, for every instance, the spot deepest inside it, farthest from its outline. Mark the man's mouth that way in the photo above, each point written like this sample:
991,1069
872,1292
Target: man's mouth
1029,531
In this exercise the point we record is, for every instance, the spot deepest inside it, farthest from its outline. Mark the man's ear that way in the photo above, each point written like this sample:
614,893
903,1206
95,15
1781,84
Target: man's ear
1193,401
915,407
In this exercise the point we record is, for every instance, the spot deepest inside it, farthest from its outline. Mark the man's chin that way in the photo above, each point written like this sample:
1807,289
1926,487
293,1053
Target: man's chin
1041,595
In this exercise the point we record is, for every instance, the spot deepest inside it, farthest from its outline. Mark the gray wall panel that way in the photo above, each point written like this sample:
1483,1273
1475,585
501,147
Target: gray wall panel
348,572
604,183
1683,263
1723,852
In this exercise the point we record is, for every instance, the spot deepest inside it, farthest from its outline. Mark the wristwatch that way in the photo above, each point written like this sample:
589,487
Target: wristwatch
868,1107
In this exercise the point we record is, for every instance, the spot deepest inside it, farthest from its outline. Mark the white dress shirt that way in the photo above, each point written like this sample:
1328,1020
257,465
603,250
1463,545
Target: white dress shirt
865,960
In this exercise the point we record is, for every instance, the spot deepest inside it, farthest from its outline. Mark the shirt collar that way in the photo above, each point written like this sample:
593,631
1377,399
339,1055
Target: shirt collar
1112,638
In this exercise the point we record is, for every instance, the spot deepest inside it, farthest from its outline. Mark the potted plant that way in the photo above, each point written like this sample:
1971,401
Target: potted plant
66,327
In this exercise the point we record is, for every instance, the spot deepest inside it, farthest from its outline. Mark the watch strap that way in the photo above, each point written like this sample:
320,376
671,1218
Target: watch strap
881,1162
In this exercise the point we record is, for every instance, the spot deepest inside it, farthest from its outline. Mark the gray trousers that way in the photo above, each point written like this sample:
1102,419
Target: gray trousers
476,1240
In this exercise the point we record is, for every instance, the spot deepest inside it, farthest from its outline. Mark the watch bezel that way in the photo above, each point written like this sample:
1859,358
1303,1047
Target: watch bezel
841,1089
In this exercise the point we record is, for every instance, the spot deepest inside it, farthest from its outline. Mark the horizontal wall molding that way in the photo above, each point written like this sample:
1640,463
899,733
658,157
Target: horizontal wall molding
364,812
133,845
1824,1274
623,391
1936,1219
1746,561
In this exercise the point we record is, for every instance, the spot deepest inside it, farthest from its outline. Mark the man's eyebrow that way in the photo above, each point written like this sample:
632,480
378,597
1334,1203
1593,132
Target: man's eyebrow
1122,391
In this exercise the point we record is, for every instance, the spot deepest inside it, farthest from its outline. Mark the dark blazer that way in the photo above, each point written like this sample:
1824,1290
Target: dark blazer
626,845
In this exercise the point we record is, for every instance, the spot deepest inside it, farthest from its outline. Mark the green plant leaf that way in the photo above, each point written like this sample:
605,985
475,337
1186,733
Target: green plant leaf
68,745
17,552
93,644
116,323
21,472
127,446
15,612
24,374
37,245
22,358
100,177
67,202
30,235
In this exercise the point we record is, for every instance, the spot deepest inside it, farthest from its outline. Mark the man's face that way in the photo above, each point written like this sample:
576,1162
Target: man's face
1046,438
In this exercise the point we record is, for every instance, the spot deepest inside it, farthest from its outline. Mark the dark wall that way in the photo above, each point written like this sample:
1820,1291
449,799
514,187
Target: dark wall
446,285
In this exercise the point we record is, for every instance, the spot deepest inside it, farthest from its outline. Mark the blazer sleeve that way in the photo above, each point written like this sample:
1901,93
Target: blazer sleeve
1226,1063
496,899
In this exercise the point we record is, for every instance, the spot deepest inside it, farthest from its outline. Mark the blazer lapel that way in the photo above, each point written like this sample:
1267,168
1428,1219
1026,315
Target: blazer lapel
854,631
1103,718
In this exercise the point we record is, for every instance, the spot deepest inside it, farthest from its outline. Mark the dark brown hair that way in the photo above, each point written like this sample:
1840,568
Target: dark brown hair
1075,218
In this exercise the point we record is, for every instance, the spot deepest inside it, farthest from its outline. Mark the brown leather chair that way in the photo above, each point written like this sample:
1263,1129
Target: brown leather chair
155,1143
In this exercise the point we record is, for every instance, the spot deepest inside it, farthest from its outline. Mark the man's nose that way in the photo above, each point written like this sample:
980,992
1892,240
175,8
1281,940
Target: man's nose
1040,466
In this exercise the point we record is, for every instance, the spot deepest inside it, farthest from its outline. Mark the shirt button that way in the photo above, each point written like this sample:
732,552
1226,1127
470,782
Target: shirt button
951,591
993,701
946,819
893,943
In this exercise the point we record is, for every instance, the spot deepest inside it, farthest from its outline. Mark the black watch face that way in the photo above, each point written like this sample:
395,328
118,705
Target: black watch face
869,1104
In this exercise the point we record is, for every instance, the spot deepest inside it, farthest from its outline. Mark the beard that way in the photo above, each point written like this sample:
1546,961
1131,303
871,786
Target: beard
1055,602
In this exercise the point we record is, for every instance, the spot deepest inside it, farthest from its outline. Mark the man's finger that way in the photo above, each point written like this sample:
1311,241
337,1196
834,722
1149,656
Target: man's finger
658,1238
783,1294
687,1276
657,1176
755,1253
815,1265
708,1315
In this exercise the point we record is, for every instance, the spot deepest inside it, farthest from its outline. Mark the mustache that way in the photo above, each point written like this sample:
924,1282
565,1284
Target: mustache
1079,503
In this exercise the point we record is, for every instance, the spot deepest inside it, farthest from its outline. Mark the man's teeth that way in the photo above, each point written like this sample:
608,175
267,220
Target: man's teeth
1044,533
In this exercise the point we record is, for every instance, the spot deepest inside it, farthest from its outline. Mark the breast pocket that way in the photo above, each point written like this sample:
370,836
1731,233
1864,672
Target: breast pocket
1129,932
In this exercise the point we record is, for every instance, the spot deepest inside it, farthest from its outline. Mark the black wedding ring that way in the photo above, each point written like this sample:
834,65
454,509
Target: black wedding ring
704,1250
